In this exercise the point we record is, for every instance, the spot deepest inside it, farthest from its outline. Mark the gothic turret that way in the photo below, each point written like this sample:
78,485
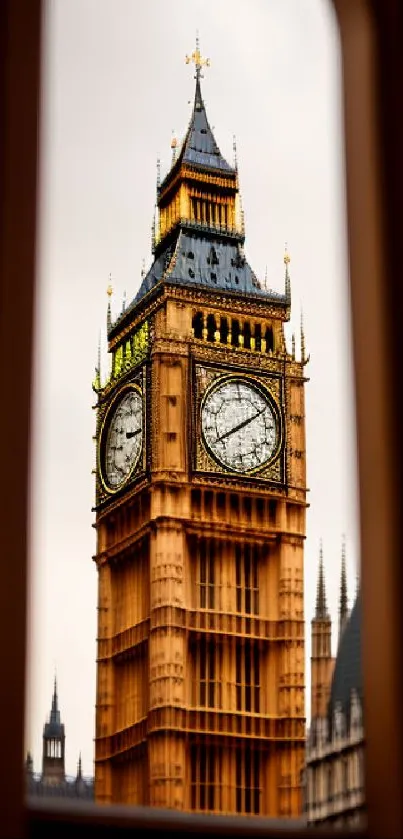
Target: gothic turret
343,599
53,771
321,657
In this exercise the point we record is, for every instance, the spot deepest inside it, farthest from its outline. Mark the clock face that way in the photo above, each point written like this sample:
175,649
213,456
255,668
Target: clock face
239,425
124,439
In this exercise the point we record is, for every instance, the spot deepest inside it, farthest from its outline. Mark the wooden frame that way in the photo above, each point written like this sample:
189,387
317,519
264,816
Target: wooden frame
371,36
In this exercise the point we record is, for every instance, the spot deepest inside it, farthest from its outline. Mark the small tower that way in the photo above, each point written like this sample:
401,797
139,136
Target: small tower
343,598
321,656
53,772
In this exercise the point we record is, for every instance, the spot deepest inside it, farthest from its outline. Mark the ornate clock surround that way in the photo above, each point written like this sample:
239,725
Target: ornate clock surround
207,375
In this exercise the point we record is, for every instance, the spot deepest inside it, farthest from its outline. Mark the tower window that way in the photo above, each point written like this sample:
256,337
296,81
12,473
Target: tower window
190,255
223,330
246,335
258,337
248,790
235,333
197,324
248,678
269,338
211,328
213,277
206,777
247,579
191,273
206,574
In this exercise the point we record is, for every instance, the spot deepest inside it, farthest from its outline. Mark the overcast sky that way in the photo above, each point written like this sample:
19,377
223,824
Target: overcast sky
115,87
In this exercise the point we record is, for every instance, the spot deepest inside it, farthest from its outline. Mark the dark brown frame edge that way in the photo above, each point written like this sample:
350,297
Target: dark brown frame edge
371,35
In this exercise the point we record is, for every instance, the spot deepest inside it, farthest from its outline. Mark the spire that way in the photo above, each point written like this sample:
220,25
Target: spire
54,698
235,154
109,314
287,260
343,600
302,339
200,147
79,768
321,612
293,346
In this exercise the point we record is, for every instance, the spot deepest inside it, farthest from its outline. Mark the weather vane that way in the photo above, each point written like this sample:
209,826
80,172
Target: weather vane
197,59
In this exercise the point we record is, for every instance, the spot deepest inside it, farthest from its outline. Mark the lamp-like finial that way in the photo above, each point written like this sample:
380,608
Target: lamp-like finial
287,260
158,173
235,154
197,59
174,146
109,292
303,358
143,269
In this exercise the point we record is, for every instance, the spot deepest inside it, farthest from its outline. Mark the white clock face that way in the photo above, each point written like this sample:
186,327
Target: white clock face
124,439
239,425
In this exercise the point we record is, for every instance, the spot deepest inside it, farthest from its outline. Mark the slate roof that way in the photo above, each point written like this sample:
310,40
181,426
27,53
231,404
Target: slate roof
203,260
347,675
199,147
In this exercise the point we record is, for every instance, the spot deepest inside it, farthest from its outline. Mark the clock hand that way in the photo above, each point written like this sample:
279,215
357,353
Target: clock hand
130,434
240,425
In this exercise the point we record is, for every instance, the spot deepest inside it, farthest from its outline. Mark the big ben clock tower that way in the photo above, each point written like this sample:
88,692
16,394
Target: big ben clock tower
200,516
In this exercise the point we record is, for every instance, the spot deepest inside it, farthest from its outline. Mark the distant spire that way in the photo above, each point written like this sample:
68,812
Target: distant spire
158,173
109,291
54,697
265,279
302,339
293,346
143,269
79,768
235,154
321,607
153,237
287,260
124,301
343,600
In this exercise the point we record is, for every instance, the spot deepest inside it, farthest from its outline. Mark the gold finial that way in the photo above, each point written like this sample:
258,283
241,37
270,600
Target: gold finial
287,258
197,59
109,290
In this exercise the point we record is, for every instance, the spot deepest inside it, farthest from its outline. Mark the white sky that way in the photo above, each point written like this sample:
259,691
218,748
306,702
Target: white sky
115,86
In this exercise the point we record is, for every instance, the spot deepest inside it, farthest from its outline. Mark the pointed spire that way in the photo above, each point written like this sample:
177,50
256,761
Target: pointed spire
153,237
343,599
303,357
321,612
235,154
265,279
79,768
293,346
54,697
158,174
109,291
287,260
124,301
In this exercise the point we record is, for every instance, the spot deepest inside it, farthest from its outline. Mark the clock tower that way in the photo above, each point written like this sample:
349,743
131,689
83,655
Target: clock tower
200,516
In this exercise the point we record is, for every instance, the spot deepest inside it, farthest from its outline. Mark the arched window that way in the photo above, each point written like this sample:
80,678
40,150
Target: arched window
258,337
211,327
197,324
223,330
269,339
246,335
235,333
